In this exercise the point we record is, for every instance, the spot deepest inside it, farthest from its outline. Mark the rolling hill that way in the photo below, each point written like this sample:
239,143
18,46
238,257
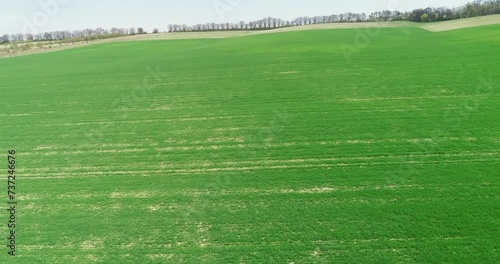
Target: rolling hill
296,147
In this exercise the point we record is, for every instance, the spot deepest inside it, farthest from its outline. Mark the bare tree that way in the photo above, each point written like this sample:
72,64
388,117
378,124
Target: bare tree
47,36
29,37
4,39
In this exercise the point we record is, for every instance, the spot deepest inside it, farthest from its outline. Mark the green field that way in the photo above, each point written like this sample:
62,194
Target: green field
272,148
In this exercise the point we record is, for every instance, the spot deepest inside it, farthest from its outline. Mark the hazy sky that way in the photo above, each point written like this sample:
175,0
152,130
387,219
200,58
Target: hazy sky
22,16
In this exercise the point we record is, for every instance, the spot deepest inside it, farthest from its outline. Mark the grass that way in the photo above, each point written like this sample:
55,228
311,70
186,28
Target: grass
261,149
25,48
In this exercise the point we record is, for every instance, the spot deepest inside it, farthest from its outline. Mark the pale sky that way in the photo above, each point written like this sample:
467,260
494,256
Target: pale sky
26,16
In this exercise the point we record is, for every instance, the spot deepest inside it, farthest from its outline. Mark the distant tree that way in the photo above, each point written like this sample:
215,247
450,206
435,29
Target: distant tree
47,36
424,18
436,17
155,31
17,37
29,37
100,31
131,31
39,37
140,31
4,39
67,34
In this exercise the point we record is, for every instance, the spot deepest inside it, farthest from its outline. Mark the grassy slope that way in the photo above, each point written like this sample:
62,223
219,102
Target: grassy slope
260,149
6,49
462,23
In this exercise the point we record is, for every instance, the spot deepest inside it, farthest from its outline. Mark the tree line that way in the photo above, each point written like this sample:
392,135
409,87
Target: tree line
76,35
471,9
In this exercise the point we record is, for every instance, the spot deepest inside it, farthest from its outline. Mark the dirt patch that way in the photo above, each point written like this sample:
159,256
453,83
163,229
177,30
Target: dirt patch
92,244
154,208
160,256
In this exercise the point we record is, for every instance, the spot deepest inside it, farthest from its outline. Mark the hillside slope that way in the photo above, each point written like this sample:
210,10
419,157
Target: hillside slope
6,50
462,23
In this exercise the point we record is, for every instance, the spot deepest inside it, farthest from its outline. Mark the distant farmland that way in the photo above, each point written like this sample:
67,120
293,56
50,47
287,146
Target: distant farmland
295,147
